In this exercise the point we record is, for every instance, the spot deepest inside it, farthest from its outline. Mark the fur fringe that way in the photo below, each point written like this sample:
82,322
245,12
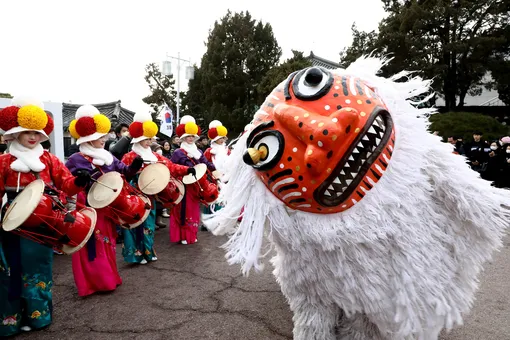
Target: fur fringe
407,255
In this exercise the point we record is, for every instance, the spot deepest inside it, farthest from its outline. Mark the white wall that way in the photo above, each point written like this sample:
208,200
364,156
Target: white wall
57,136
486,98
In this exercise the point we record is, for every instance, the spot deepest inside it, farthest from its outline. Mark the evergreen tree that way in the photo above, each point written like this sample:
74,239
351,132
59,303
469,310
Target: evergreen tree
452,42
240,51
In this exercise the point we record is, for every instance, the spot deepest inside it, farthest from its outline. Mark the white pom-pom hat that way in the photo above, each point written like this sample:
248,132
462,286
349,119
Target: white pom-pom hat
89,124
216,131
26,113
142,127
188,127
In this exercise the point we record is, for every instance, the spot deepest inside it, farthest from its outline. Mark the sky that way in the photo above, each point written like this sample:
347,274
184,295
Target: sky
95,51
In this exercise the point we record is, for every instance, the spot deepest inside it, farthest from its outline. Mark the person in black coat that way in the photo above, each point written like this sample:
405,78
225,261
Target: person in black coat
493,167
503,177
119,132
478,152
121,147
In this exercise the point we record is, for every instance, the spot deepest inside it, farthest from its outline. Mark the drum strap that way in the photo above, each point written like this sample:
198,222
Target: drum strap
91,243
98,168
12,246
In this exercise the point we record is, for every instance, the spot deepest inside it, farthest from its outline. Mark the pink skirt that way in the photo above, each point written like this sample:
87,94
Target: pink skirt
100,274
187,229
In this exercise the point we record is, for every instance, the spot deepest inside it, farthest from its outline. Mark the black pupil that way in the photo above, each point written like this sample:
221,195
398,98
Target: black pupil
267,149
313,77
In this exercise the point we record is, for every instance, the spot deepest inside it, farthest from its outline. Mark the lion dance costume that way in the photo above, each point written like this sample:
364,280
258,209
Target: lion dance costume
380,230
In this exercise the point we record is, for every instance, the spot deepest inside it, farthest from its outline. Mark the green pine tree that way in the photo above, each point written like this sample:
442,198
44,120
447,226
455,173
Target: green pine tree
452,42
240,51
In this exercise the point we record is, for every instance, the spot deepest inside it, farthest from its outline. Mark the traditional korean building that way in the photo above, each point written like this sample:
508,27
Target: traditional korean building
318,61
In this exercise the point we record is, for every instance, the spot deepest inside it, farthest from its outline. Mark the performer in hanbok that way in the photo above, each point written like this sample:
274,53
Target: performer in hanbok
217,154
26,266
95,266
138,244
185,216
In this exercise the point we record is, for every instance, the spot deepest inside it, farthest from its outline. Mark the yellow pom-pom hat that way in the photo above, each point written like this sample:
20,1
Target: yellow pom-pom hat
25,114
89,124
216,131
142,127
188,127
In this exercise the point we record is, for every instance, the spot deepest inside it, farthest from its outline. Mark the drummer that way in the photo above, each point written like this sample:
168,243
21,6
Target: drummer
139,242
185,217
217,154
95,266
26,266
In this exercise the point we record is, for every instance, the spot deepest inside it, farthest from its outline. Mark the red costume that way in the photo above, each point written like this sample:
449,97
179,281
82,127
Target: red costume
55,174
176,170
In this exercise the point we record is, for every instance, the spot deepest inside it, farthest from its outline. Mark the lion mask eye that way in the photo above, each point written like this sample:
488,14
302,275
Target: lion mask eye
265,150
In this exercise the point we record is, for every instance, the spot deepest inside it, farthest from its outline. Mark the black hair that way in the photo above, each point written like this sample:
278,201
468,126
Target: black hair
119,127
46,145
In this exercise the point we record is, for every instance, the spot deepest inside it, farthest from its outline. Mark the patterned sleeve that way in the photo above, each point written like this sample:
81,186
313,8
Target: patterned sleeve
127,159
176,170
61,176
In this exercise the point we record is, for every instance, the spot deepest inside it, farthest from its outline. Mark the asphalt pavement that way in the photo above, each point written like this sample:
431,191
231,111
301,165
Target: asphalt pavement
192,293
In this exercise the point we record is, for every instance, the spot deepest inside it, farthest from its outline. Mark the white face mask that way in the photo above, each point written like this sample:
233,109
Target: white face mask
507,151
160,152
112,135
494,147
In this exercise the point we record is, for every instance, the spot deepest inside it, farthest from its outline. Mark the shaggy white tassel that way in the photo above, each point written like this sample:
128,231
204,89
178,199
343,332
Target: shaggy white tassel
407,255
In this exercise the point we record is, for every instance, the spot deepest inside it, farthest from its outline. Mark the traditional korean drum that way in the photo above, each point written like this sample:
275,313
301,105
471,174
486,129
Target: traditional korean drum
121,201
43,219
207,186
155,180
181,187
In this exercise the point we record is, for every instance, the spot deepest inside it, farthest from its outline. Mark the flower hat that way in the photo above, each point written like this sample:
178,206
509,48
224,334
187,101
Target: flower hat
142,127
25,114
89,124
216,131
188,127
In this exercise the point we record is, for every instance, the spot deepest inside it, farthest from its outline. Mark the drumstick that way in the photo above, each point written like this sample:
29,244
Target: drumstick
151,162
198,182
9,212
148,184
107,186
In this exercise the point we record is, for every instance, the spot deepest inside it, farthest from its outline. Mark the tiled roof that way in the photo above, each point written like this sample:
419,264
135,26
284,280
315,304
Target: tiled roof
113,110
318,61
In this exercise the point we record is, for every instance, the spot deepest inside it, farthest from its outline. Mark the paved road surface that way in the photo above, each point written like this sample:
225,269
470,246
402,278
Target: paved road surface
191,293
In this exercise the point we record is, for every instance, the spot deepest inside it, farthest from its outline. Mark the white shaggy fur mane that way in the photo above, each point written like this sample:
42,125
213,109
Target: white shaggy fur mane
405,258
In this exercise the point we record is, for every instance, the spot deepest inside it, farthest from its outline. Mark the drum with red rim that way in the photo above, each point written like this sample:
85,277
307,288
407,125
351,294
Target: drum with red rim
207,187
43,219
121,201
155,180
